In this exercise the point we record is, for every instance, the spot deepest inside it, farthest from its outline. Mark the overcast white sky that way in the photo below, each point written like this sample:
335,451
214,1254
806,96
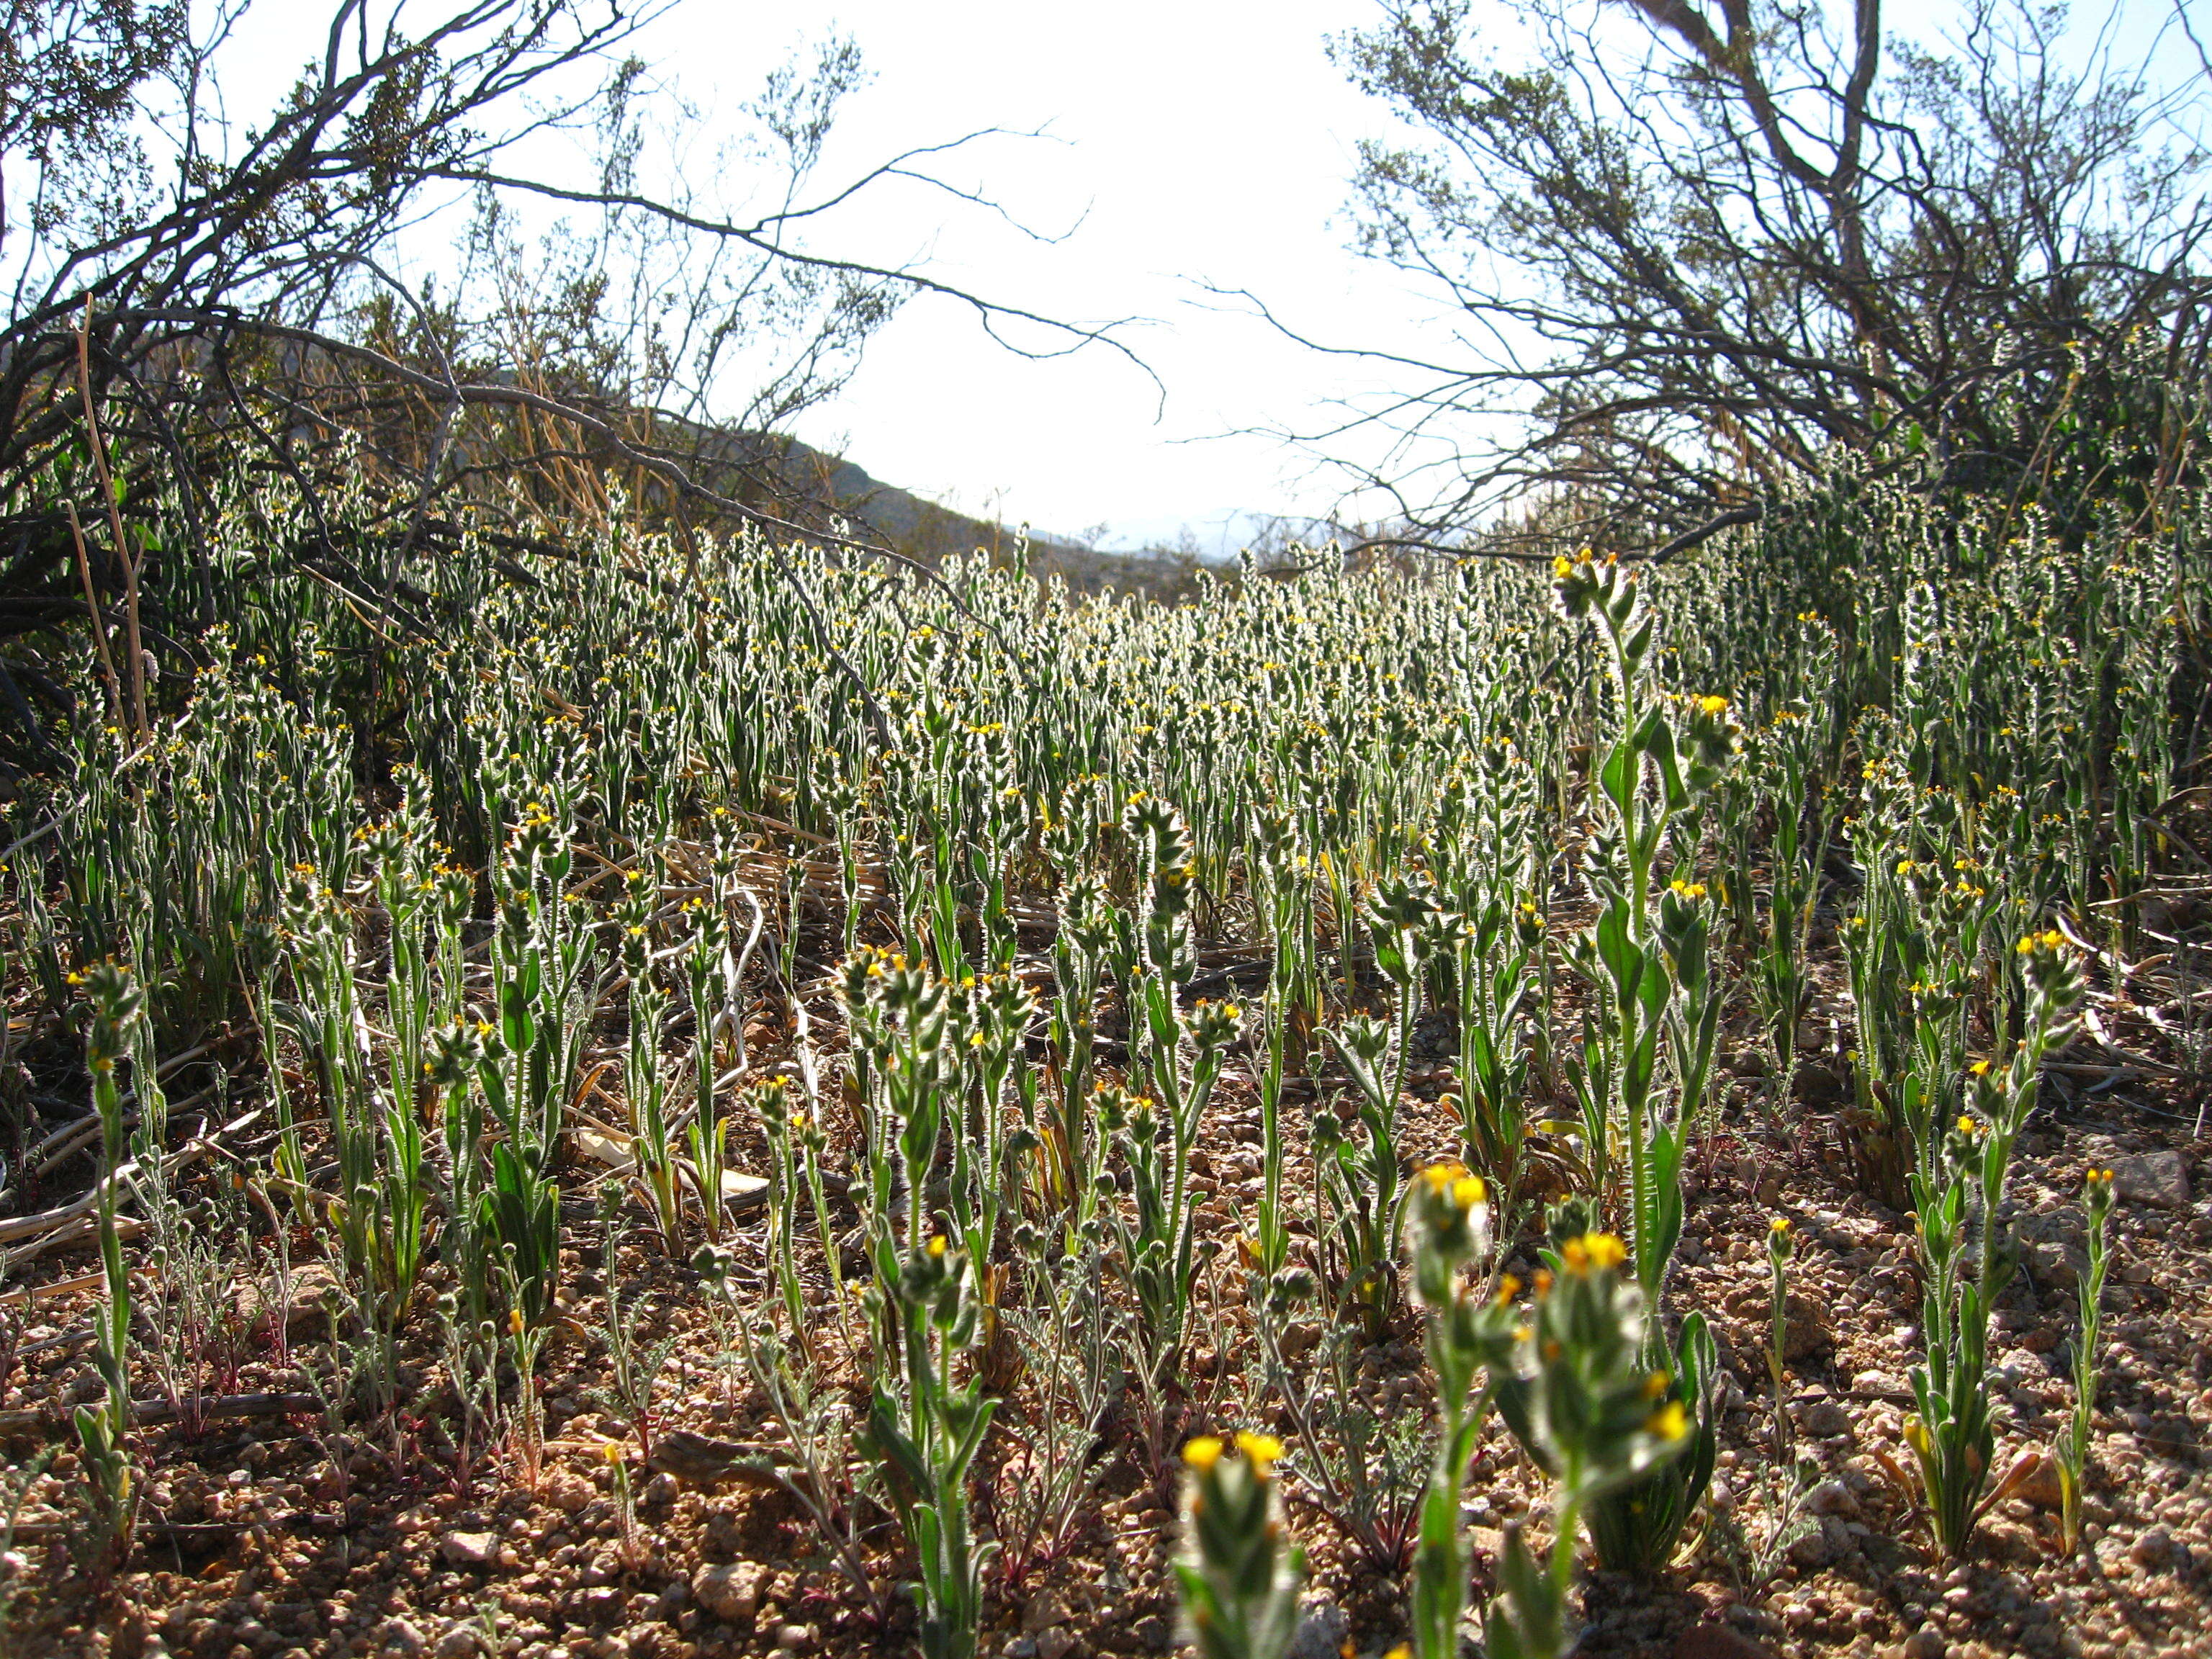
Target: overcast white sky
1189,141
1195,140
1185,142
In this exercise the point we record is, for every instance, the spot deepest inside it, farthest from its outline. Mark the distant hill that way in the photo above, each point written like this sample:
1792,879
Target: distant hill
922,529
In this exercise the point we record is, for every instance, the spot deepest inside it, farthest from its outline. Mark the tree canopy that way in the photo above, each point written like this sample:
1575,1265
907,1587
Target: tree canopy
1685,254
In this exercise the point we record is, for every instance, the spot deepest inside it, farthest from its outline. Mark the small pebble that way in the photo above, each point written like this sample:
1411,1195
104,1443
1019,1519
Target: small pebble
2153,1550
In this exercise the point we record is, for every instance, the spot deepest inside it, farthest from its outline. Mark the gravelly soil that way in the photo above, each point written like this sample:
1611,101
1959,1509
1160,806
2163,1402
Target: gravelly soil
270,1537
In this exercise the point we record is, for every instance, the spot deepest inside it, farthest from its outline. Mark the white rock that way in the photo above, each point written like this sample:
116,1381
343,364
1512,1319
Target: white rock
2153,1550
1042,1612
2160,1179
1812,1549
1833,1497
730,1593
470,1549
1322,1627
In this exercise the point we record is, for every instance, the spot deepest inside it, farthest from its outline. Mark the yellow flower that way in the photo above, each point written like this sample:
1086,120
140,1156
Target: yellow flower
936,1246
1261,1450
610,1450
1979,1068
1203,1451
1670,1422
1712,705
1598,1250
1779,1225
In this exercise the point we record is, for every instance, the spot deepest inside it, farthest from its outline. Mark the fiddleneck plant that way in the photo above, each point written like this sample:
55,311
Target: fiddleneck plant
541,956
652,1156
934,1063
927,1427
1781,1245
708,976
1497,973
1790,756
1411,929
103,1429
1579,1396
1178,1052
375,1225
993,1013
1482,845
1239,1572
2071,1453
1073,1150
1648,957
899,1015
770,1099
455,1052
1449,1224
1269,1245
1958,1187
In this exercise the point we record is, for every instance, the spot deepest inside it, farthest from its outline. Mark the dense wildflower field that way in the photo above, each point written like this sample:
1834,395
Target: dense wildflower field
700,1098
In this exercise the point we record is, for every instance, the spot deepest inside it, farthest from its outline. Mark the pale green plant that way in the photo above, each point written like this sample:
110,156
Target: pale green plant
2071,1452
1469,1333
1239,1574
1580,1401
103,1429
1960,1183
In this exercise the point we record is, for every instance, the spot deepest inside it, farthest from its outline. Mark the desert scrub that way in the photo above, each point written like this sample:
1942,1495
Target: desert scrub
1148,1072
